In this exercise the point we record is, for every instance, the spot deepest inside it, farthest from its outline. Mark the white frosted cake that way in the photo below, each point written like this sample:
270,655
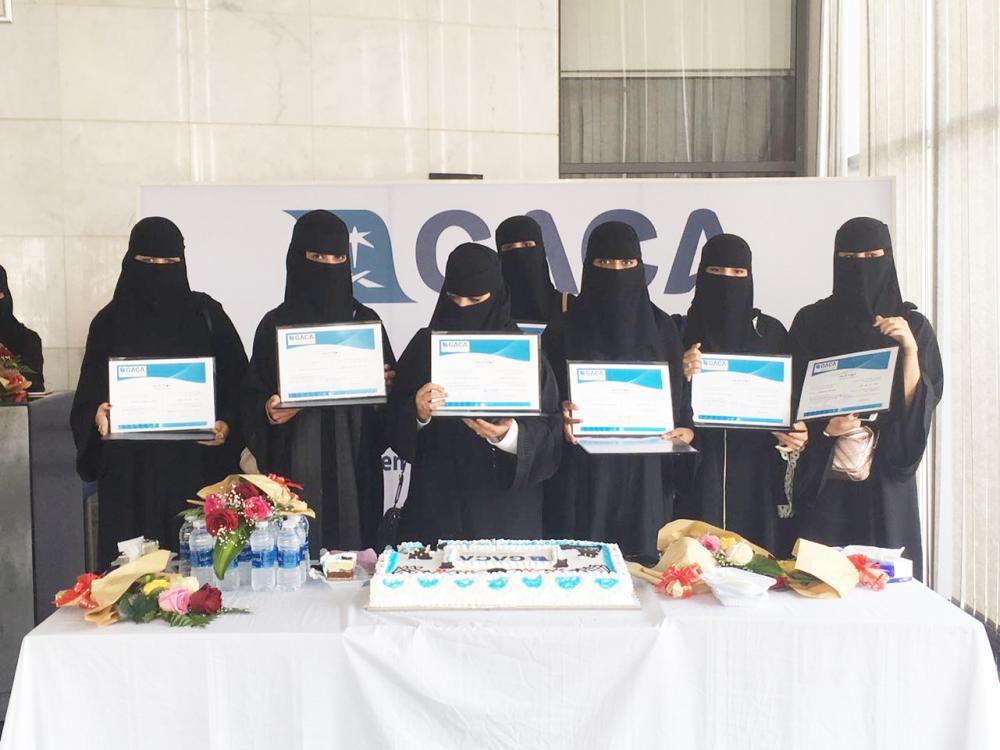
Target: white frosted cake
502,574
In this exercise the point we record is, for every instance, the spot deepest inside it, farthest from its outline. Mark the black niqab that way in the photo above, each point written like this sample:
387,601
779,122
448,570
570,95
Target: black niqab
317,292
154,310
12,332
721,314
613,317
525,269
473,270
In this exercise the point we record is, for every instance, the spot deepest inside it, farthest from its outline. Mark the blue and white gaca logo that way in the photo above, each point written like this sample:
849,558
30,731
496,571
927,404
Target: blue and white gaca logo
372,268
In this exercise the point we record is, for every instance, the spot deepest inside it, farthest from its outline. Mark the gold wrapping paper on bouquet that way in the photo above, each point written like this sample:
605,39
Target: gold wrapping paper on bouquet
831,566
106,591
277,492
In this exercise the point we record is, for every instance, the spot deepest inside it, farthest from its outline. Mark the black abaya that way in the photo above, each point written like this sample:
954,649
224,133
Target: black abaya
461,486
142,485
19,339
881,510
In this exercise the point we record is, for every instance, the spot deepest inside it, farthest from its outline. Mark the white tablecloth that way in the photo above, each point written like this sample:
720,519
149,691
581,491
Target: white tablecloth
314,669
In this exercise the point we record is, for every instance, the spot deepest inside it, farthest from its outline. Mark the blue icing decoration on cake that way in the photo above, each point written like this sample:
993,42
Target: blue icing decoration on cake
428,582
498,583
392,584
606,583
568,582
532,583
464,583
391,565
607,559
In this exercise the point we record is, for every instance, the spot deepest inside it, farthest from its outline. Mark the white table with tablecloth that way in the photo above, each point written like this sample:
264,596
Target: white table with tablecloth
898,670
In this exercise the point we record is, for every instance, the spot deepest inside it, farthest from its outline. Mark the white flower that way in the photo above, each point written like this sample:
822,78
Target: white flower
676,589
190,583
739,554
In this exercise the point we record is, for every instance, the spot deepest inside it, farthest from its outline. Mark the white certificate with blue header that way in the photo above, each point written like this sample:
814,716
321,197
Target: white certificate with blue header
162,398
619,398
487,374
330,365
857,383
743,391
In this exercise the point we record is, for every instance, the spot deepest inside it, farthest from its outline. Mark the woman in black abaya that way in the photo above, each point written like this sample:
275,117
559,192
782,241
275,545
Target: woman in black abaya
622,498
19,339
472,479
334,452
866,311
143,484
739,476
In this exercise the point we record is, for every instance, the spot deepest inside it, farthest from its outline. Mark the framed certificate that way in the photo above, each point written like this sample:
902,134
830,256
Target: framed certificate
162,399
858,383
487,374
330,365
745,391
624,406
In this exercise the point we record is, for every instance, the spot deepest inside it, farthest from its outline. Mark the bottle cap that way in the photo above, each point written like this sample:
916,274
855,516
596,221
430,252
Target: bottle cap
198,523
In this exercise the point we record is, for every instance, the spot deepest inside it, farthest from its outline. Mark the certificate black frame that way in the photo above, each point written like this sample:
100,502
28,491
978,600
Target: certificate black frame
347,400
171,435
868,415
488,413
769,428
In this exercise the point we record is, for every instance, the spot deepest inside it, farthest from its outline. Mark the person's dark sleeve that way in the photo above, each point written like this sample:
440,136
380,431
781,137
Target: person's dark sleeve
903,441
91,392
539,439
259,384
230,369
680,394
33,359
402,409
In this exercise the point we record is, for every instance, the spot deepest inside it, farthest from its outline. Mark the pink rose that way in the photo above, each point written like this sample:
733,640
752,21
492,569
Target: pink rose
175,600
710,542
256,508
214,502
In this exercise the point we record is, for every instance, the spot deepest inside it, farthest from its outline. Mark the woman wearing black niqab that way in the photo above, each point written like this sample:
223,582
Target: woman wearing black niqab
472,479
866,311
738,479
533,298
334,452
142,485
19,339
624,498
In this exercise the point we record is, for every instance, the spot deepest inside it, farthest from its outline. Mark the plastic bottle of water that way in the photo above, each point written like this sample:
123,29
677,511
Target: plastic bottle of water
231,580
262,574
243,563
201,546
303,526
184,548
289,556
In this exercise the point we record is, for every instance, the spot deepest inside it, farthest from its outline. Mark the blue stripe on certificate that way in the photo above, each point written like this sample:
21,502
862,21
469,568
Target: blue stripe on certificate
642,377
363,338
657,429
767,369
193,372
842,409
737,420
874,361
513,348
333,394
489,404
142,426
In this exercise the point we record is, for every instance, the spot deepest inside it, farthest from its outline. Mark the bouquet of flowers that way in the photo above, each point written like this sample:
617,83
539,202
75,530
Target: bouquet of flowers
13,385
141,591
231,509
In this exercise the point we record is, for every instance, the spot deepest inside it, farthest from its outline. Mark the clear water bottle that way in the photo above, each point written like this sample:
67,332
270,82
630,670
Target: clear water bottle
264,562
304,561
243,563
230,581
201,546
184,548
289,556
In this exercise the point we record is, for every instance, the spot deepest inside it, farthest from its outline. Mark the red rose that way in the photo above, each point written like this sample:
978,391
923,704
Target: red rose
245,490
221,520
205,601
5,352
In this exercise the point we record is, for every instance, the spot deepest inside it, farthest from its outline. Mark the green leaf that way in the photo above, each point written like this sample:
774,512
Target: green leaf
190,620
226,550
765,566
192,513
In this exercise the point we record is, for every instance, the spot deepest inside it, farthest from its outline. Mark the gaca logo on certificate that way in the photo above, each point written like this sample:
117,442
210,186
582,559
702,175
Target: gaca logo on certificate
300,339
591,374
824,367
454,346
131,371
714,365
